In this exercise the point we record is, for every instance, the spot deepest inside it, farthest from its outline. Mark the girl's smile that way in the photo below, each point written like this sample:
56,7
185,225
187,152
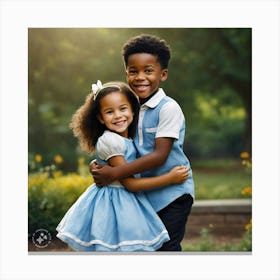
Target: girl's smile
116,113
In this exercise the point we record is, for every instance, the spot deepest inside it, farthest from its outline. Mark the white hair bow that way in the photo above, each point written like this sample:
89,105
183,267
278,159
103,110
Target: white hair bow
96,88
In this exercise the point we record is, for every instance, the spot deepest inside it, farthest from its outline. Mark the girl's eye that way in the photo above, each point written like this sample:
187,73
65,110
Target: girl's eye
123,108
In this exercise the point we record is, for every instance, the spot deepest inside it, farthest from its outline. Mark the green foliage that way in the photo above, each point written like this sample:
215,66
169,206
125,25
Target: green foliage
208,243
246,242
49,197
222,136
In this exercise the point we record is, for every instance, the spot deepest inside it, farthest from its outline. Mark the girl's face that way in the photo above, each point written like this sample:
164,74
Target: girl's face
116,113
144,74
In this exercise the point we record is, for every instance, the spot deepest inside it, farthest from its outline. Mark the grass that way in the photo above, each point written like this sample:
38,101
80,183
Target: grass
220,179
216,163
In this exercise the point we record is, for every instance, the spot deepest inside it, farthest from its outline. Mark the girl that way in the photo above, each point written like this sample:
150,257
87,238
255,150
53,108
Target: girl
117,217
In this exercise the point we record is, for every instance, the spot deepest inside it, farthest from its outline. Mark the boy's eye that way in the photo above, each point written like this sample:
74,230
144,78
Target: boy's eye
132,71
148,71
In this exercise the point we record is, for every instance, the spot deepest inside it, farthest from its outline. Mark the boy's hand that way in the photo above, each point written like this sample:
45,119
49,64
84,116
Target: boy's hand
93,165
102,174
179,174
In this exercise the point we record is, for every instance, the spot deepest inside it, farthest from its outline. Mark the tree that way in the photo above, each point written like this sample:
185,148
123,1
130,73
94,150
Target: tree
217,59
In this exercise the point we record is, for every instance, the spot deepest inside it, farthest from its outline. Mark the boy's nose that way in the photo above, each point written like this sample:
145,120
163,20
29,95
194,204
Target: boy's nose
140,76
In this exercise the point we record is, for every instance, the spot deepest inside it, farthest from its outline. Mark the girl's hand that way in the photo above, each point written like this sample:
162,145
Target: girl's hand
178,174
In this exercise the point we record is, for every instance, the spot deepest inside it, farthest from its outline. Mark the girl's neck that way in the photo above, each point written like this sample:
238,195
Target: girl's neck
124,135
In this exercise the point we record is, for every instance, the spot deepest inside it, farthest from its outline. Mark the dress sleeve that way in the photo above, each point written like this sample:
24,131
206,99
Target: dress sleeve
110,144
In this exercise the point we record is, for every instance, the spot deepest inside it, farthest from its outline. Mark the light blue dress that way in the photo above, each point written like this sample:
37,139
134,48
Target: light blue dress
110,218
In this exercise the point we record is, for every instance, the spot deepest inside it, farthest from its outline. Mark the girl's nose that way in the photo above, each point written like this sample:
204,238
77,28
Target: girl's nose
117,114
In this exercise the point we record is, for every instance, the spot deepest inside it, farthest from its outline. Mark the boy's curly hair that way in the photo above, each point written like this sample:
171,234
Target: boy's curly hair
146,43
85,124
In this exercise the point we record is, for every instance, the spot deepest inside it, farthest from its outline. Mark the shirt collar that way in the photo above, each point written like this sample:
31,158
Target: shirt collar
154,101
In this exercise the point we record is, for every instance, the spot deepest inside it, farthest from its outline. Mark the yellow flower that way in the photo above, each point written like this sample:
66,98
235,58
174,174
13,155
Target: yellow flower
249,225
58,159
38,158
245,155
247,190
57,174
81,160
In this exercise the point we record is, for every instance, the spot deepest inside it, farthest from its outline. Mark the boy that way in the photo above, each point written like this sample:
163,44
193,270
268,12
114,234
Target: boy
159,138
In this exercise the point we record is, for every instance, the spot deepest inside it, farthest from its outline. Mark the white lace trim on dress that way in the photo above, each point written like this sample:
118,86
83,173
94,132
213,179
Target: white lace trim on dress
114,246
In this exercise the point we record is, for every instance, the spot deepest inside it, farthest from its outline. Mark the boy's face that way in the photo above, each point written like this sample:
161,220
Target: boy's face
144,74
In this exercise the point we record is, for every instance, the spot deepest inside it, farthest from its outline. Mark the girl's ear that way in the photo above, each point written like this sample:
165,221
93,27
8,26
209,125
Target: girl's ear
164,75
99,117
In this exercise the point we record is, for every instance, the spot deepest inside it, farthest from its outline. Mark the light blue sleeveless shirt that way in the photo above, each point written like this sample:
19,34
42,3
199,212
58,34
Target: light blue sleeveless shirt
161,116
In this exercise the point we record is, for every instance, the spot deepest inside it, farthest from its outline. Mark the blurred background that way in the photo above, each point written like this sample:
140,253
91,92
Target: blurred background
209,76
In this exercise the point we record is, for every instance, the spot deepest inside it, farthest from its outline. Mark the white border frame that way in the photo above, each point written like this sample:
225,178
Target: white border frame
17,16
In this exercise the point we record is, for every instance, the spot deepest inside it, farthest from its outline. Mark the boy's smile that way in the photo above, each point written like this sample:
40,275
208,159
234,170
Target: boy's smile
144,74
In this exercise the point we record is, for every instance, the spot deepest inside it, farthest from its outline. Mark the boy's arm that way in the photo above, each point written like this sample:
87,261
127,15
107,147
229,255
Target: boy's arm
177,175
106,174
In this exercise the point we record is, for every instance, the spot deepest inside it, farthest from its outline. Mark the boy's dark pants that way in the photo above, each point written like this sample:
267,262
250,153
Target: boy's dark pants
175,216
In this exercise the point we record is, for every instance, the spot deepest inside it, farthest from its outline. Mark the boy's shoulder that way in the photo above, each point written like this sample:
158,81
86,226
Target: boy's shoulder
160,98
169,101
163,104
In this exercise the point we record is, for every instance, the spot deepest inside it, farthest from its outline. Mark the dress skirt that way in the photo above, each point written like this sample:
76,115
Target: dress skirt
112,219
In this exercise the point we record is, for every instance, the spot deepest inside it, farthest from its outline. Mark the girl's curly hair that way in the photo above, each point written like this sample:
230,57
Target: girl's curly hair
85,124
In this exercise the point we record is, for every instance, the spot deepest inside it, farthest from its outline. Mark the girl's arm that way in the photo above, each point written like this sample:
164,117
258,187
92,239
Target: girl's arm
106,174
176,176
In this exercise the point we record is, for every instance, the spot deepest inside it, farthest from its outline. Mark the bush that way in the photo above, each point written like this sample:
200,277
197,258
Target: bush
50,196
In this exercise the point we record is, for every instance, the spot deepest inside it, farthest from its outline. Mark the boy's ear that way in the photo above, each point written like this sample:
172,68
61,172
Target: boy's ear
164,75
99,117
